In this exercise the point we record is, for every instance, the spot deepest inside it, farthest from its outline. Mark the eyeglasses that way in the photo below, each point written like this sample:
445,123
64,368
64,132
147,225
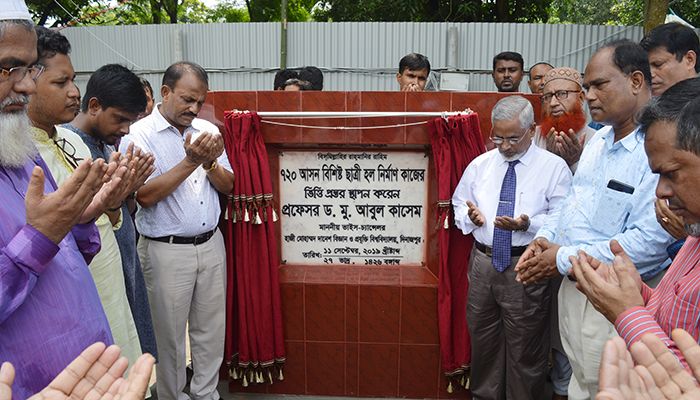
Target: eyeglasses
68,151
16,74
559,94
512,141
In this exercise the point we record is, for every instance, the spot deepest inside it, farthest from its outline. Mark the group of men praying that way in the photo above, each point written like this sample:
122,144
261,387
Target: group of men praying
584,228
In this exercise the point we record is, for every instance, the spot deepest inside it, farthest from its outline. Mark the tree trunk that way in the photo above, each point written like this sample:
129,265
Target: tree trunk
155,11
502,11
654,13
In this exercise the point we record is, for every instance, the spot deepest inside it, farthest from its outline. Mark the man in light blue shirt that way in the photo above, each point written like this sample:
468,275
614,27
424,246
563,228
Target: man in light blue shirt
612,197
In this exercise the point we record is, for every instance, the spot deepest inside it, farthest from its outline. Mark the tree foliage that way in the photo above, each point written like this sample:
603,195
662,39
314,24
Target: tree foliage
433,10
615,12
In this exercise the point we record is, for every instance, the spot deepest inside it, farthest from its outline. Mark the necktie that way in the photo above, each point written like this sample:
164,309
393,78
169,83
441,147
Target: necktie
502,239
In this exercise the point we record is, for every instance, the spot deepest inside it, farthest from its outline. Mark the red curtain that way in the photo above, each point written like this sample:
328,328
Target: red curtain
254,339
456,141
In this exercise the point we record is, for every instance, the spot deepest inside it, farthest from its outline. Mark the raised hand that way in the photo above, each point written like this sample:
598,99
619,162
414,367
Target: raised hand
475,214
199,151
538,262
613,292
672,223
55,214
513,224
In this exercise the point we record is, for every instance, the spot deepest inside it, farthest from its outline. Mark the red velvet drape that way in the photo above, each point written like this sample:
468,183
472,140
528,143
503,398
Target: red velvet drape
254,338
456,141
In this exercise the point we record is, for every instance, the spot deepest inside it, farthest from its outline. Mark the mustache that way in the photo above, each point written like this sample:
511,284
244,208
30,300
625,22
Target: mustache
11,101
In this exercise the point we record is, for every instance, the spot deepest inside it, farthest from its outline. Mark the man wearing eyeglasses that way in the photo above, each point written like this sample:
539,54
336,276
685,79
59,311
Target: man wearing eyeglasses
611,197
502,199
49,307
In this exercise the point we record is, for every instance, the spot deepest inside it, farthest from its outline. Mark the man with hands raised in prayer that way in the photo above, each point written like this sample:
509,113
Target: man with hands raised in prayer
508,323
185,273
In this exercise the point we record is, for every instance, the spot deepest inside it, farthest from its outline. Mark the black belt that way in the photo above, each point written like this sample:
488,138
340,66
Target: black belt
514,251
195,240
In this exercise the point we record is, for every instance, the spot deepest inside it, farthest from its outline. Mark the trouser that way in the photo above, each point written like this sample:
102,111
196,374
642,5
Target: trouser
584,332
187,283
509,328
561,369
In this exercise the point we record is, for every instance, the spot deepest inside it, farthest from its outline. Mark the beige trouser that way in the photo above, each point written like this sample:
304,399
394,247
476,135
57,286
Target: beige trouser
584,332
187,283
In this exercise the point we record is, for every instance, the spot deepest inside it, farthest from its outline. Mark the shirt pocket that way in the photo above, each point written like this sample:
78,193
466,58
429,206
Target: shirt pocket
682,313
531,202
611,213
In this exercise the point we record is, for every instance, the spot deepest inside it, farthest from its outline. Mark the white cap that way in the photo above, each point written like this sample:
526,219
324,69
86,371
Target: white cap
14,9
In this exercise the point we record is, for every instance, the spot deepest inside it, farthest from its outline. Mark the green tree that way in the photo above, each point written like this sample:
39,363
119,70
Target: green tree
50,11
433,10
616,12
228,11
269,10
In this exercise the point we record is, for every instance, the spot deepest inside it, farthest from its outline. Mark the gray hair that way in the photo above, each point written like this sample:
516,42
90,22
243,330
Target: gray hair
688,136
25,23
508,108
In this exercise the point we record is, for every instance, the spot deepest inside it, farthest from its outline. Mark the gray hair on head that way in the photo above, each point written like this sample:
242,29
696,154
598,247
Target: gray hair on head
508,108
26,24
689,128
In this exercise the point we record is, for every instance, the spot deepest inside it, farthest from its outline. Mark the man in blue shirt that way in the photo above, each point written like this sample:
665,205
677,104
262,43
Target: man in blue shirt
612,197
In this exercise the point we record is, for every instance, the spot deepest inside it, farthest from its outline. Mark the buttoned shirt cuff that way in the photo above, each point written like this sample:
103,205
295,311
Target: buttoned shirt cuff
545,233
563,263
635,322
88,239
32,249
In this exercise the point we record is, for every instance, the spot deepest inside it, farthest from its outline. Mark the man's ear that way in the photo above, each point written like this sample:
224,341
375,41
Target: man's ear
94,106
637,80
165,91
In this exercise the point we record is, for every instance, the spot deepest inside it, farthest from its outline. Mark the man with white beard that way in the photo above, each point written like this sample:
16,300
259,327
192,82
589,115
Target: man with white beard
49,307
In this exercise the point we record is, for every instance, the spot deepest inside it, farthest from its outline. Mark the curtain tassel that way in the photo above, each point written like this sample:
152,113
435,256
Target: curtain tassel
246,217
245,381
274,215
281,375
446,223
449,388
467,382
269,375
257,220
234,374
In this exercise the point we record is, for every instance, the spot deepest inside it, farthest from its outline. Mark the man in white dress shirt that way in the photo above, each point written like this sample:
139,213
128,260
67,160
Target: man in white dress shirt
503,199
185,271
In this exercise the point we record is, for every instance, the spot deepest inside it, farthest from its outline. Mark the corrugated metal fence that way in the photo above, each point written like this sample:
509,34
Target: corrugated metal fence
353,55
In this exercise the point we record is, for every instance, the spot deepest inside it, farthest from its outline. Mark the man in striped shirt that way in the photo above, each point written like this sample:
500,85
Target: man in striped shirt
671,124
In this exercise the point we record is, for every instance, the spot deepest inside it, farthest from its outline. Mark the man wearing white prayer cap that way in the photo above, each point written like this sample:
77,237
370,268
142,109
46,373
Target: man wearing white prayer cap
49,307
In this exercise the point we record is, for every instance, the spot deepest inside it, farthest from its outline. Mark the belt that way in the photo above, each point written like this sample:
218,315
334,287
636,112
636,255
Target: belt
195,240
514,251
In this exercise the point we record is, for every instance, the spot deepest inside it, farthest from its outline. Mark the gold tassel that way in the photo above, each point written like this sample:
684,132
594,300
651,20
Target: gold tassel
246,218
281,377
269,375
233,215
245,381
449,388
446,224
462,381
226,213
274,215
251,376
234,374
468,383
258,221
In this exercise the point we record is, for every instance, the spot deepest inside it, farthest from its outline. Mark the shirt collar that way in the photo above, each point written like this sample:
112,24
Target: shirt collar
162,124
40,135
629,142
88,139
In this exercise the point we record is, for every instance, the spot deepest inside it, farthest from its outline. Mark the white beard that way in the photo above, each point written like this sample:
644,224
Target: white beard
693,229
16,145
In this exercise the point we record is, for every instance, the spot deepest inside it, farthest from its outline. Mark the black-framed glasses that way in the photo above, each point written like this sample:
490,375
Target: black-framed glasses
16,74
68,151
559,94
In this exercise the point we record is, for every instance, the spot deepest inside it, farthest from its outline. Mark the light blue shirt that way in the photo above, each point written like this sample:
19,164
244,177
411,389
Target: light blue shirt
593,214
193,208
